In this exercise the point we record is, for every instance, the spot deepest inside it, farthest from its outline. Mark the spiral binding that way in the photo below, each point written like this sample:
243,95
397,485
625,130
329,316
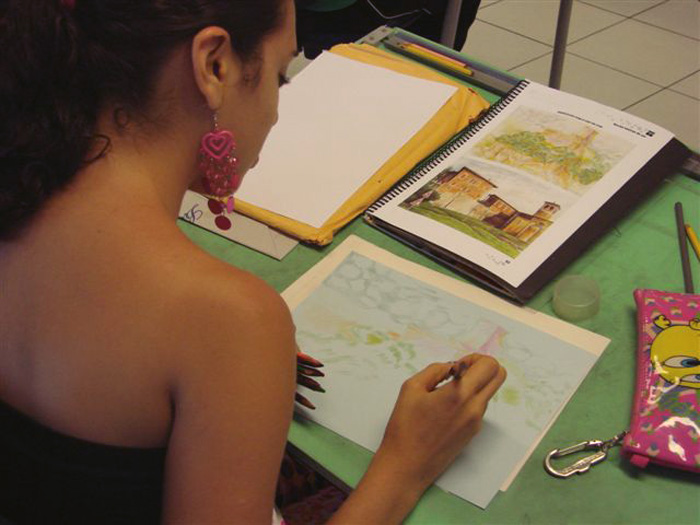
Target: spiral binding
448,148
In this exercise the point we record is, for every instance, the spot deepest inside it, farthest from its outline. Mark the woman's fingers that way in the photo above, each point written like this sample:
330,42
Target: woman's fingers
475,373
431,376
492,387
438,411
470,359
481,371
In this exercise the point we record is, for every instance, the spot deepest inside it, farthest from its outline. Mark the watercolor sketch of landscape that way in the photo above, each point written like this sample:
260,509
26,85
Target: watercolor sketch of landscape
374,327
519,179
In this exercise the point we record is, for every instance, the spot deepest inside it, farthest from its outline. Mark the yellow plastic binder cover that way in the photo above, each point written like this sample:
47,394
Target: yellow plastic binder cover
461,109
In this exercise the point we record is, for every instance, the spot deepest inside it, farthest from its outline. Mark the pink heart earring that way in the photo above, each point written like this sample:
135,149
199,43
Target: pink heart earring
218,165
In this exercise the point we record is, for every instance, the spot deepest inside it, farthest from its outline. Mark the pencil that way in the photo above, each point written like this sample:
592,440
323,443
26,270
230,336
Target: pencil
457,370
310,383
439,56
307,360
683,244
303,401
301,369
693,240
447,63
434,47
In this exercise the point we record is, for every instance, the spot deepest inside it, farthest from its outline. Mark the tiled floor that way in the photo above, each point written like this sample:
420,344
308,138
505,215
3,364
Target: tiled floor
641,56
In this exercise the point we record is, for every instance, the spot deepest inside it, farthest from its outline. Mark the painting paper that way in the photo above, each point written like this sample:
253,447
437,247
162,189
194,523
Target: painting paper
340,120
374,320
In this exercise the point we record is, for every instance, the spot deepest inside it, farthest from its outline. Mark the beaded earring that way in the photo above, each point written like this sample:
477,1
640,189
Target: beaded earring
218,165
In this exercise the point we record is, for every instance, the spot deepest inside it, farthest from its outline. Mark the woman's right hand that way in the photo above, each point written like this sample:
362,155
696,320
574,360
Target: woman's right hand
432,422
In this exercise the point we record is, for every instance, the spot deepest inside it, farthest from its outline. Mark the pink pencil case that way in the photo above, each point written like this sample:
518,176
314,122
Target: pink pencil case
665,426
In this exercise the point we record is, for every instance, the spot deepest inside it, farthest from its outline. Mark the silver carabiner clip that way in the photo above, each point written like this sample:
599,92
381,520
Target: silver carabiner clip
584,464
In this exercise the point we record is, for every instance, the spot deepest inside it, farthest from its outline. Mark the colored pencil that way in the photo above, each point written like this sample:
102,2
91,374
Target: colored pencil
693,240
432,46
438,56
303,401
493,80
438,60
457,370
308,360
310,383
683,245
301,369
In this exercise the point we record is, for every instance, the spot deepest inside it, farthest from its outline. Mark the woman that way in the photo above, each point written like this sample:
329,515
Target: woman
131,360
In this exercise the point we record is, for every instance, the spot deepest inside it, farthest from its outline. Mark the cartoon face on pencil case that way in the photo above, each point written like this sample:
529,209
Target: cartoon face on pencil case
665,427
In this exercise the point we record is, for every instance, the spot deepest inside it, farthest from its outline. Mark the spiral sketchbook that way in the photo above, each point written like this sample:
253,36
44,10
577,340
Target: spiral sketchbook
513,198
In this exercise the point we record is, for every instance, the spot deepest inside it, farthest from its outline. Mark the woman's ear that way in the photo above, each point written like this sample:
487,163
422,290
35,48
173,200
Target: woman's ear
214,64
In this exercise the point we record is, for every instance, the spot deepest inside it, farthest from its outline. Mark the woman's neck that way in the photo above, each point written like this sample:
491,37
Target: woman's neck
159,166
156,153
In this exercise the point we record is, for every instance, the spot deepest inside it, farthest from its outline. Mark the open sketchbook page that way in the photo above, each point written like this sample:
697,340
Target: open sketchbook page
339,121
532,174
375,319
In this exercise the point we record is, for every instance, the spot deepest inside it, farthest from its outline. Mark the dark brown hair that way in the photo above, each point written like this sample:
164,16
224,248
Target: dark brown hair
60,65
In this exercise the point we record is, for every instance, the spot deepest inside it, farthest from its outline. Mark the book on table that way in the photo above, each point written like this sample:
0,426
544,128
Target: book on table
513,198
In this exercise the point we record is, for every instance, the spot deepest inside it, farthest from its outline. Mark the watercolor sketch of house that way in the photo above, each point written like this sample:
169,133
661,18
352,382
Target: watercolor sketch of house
497,212
467,197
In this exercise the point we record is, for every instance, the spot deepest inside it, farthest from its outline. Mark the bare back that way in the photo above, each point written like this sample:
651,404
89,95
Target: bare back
95,317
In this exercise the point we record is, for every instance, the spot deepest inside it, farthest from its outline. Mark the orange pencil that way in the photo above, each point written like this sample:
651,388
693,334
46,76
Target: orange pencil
308,360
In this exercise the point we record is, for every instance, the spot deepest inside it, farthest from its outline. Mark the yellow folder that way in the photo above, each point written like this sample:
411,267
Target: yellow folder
461,109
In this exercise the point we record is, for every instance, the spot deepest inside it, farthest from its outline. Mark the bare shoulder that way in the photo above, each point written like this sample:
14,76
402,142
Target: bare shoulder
219,302
233,379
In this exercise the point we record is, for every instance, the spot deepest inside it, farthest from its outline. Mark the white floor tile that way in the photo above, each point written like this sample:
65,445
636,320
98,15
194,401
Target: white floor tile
537,19
677,113
624,7
486,3
681,16
501,48
689,86
590,80
641,50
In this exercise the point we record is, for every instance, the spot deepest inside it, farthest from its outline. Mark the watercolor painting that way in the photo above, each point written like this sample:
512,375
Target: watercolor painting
505,209
562,149
518,180
374,327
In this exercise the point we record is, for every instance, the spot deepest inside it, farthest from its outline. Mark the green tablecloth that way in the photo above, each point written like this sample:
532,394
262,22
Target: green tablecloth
641,252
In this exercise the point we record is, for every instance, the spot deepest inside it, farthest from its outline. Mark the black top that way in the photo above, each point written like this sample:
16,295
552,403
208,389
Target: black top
48,477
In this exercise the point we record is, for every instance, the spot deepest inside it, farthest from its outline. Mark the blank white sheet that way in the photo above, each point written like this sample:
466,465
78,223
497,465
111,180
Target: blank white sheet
339,121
